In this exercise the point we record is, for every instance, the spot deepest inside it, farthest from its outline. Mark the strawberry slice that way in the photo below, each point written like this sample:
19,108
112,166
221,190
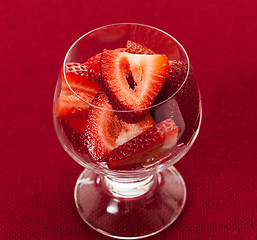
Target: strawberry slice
148,72
136,48
187,98
146,148
80,77
77,124
84,83
69,105
105,131
174,80
76,136
93,63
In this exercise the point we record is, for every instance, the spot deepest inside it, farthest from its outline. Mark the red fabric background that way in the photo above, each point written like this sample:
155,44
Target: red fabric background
37,177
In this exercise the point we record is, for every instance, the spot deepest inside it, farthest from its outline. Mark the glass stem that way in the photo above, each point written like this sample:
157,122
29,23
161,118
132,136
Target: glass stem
128,187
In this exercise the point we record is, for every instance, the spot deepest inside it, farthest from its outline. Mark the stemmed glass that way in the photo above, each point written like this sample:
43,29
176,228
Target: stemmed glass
142,200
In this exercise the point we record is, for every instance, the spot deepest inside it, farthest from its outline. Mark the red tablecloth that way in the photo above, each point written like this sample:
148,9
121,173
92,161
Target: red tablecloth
37,177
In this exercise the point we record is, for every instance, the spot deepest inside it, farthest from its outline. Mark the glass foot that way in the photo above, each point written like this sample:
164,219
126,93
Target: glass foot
157,202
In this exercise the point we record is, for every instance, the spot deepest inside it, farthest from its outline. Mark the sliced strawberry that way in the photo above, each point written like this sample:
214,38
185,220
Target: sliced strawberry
80,78
78,124
94,63
176,76
188,99
105,131
148,72
77,139
136,48
69,105
84,83
146,148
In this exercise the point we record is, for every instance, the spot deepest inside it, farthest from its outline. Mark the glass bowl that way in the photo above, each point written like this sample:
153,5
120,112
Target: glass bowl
141,193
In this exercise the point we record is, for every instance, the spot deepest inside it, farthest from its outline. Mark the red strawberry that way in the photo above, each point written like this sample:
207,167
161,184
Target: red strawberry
78,124
188,99
76,138
105,131
84,83
175,78
146,148
69,105
94,63
148,72
136,48
80,77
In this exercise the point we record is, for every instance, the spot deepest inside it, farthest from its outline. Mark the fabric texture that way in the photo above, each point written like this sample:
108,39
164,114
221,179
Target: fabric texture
37,177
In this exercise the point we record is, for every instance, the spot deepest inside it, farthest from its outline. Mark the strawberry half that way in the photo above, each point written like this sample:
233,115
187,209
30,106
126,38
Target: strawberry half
78,124
188,99
146,148
174,80
84,82
80,77
76,136
69,105
148,72
93,63
105,131
136,48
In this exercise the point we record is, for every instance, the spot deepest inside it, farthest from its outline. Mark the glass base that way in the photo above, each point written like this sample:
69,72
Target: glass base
150,205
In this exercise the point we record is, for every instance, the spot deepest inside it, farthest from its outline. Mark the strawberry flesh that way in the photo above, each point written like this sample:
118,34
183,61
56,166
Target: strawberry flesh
148,72
77,139
69,105
77,124
84,83
146,148
105,131
93,63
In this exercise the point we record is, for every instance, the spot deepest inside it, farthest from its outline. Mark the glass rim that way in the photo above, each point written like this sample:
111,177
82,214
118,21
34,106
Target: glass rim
135,110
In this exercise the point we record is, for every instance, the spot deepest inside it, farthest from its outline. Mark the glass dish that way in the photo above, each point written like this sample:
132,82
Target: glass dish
138,202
